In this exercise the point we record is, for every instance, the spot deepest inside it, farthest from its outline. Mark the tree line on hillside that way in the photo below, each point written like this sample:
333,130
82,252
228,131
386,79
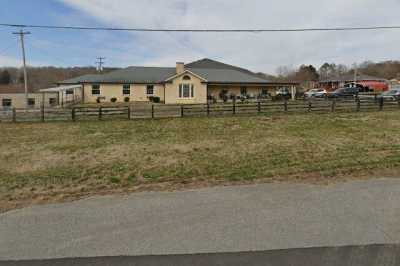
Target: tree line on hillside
305,73
44,77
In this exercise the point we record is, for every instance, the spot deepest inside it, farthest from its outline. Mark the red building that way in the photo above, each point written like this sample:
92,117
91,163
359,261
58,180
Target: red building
377,84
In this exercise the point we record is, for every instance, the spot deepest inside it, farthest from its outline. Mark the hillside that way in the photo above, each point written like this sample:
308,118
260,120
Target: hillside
43,77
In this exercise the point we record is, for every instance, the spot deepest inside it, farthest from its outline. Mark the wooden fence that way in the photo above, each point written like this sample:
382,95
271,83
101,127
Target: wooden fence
166,111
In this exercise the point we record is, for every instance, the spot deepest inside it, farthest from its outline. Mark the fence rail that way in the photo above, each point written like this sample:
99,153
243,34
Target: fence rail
165,111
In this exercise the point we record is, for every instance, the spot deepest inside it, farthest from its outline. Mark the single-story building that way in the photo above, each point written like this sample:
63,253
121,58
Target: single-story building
394,83
375,83
13,96
192,83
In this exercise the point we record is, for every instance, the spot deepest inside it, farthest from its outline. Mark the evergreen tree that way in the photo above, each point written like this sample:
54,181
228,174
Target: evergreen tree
5,77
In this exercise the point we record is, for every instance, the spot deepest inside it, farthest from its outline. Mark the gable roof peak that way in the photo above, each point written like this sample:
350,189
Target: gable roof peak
185,72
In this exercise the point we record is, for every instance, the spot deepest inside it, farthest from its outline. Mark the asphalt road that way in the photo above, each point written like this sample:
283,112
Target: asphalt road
374,255
224,219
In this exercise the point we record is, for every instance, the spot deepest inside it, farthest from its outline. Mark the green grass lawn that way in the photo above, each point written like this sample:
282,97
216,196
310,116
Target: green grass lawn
56,161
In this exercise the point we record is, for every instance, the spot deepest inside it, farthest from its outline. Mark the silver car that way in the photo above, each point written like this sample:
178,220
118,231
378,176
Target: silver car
317,93
393,94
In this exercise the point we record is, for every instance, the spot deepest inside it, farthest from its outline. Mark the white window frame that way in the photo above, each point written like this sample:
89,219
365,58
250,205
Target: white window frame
96,89
147,90
4,100
186,86
52,103
243,91
126,87
31,100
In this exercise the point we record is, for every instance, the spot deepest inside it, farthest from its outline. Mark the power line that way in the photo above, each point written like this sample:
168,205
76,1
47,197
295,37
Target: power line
6,49
53,27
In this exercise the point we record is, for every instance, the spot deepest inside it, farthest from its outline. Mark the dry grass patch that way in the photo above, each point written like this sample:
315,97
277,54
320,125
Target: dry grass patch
55,161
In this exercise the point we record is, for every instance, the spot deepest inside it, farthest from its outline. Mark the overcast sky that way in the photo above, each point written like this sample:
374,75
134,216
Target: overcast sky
263,52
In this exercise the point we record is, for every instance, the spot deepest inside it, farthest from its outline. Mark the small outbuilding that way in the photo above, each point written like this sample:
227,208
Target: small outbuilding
13,96
375,83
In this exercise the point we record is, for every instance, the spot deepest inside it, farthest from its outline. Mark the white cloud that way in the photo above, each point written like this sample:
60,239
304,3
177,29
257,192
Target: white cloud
260,52
9,61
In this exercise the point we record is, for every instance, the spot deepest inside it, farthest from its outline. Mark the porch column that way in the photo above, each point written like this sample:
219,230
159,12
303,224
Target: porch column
62,98
293,89
43,99
83,93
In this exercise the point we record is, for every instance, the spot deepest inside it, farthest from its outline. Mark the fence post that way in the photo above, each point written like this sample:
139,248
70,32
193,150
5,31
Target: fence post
381,104
152,111
309,106
208,109
285,105
358,104
100,113
182,110
42,112
73,114
234,107
14,115
259,107
333,107
129,112
398,102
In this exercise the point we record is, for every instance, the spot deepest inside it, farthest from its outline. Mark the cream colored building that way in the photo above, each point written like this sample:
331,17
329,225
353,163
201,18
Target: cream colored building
193,83
13,96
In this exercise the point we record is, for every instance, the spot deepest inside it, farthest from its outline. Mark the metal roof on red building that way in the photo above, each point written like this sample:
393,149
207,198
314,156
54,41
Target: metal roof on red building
350,78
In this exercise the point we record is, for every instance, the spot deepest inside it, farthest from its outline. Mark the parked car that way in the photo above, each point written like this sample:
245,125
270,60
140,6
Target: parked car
361,88
317,93
282,93
344,92
393,94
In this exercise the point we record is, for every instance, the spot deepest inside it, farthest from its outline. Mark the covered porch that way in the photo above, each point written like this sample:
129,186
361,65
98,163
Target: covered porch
67,94
250,92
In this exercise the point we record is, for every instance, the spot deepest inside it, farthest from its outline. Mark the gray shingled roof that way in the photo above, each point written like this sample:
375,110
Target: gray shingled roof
226,76
208,63
212,71
80,79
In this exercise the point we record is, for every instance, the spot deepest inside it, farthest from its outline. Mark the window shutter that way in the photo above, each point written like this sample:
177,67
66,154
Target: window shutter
192,91
180,90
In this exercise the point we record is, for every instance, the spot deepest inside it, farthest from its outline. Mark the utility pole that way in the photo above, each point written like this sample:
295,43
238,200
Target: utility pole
355,75
100,63
22,34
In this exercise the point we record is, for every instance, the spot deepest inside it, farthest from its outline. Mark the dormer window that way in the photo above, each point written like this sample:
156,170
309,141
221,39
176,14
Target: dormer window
186,77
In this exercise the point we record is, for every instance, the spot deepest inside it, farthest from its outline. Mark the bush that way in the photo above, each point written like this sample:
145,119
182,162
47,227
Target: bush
154,99
281,97
115,179
98,100
224,95
113,100
127,99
